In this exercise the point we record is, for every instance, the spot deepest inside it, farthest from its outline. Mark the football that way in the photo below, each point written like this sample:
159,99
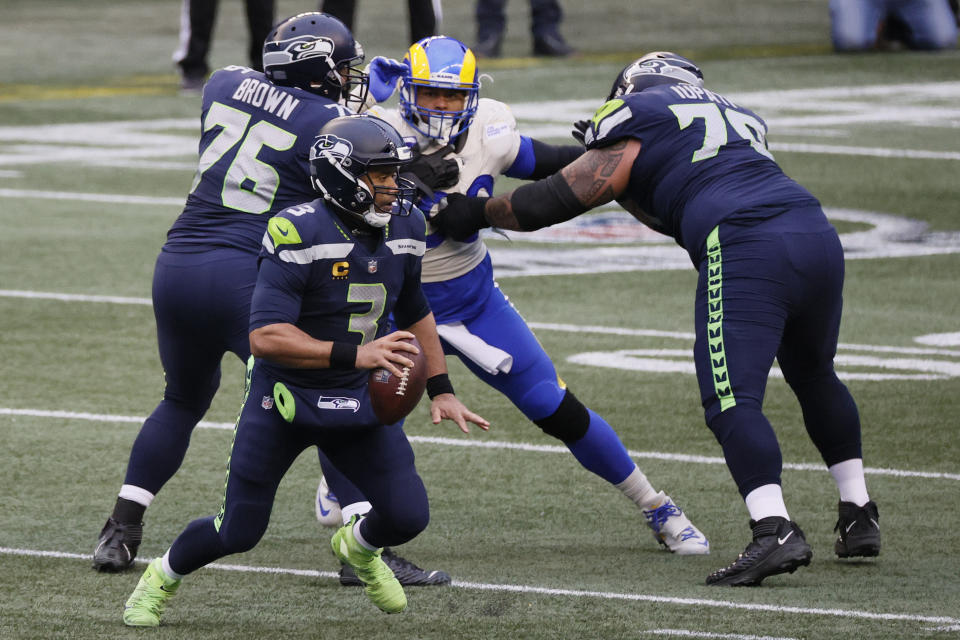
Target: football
392,397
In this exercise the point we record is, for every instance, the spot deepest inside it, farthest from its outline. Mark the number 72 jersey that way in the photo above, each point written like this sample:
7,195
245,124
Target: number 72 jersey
254,159
703,160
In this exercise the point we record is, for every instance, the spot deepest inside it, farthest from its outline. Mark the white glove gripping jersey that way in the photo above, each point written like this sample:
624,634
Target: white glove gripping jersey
492,144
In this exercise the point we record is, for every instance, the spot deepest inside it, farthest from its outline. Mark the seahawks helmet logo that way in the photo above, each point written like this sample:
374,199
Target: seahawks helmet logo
671,67
280,52
331,146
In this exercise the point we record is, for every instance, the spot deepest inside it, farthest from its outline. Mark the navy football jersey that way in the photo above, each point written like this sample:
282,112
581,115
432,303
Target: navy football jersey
314,274
703,160
254,159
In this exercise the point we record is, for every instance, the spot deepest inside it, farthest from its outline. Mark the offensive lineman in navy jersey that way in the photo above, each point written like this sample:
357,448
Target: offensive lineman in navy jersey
332,272
695,166
257,131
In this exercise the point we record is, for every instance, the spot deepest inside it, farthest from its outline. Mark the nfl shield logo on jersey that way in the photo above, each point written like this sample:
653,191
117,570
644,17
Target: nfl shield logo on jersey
267,402
371,266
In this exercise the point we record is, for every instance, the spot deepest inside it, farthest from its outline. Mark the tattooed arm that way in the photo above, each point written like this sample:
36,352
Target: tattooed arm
593,179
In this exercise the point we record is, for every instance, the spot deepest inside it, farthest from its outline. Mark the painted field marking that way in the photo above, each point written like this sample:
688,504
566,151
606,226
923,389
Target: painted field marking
688,633
490,444
547,591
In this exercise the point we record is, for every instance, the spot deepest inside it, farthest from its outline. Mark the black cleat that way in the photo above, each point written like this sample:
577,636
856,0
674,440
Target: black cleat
858,530
778,546
117,546
407,573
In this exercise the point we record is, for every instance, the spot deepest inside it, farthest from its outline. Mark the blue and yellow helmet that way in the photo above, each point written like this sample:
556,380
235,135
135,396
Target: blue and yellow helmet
440,62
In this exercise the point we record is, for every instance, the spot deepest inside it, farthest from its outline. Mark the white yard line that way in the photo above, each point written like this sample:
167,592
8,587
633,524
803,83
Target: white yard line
689,633
489,444
107,198
573,593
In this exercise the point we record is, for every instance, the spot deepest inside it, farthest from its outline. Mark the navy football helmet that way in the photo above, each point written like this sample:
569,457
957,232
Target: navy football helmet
440,62
344,151
659,67
316,52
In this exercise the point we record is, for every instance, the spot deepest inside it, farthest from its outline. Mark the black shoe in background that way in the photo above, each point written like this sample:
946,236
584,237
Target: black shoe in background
553,45
489,46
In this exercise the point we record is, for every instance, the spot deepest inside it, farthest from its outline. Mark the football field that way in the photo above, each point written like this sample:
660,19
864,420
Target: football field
97,152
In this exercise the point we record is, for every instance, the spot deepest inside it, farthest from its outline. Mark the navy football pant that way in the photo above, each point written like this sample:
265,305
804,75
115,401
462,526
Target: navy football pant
772,290
377,459
201,302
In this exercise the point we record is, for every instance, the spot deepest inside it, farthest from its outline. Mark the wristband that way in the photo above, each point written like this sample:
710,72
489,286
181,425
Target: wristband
438,384
343,355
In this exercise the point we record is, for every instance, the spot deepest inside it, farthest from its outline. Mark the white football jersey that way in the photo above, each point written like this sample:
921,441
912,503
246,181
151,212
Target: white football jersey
492,144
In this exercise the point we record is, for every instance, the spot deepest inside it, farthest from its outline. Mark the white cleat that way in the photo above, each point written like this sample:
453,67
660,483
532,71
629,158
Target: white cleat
673,529
327,506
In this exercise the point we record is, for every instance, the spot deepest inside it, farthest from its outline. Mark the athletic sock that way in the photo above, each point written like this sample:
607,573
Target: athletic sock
766,501
851,482
638,488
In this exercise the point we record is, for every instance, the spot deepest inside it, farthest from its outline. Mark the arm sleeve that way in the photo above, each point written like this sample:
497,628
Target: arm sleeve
536,160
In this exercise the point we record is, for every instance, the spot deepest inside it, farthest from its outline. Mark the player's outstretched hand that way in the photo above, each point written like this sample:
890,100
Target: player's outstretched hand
382,352
447,405
580,130
384,74
434,169
461,217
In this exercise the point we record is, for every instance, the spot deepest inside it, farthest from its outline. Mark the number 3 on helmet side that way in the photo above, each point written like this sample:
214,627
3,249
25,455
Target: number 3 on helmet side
715,128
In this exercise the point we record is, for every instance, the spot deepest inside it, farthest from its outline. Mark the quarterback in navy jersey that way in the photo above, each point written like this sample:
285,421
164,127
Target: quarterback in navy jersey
332,272
694,165
256,133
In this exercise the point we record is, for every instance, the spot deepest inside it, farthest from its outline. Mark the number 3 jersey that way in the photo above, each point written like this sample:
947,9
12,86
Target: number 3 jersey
703,160
317,275
254,160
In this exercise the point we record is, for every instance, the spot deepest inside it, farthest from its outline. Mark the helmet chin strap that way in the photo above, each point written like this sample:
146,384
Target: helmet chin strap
371,216
376,219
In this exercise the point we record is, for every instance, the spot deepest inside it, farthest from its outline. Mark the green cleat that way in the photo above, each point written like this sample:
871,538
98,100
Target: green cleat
145,605
381,585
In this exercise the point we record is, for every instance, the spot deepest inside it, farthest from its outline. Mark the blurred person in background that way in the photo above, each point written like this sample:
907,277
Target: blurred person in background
196,32
424,15
545,19
857,25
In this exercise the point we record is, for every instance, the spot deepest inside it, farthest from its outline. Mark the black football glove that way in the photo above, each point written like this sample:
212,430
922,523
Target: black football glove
579,130
433,170
461,217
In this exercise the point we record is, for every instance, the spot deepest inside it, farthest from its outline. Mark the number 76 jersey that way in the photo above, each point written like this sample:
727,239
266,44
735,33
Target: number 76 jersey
254,159
703,160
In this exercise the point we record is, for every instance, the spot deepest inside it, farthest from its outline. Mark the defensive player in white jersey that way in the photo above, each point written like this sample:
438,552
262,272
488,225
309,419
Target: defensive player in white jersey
465,142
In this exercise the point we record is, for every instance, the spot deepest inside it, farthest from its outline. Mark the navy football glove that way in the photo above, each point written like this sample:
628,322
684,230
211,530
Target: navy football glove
461,217
579,130
384,74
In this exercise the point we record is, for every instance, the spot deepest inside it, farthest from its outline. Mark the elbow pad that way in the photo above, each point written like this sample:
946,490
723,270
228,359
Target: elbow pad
545,202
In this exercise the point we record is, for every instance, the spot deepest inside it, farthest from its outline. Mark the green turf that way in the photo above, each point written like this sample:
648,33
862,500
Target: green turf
561,554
